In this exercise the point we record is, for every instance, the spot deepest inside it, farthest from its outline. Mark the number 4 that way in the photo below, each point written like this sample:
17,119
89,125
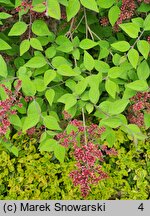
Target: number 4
141,207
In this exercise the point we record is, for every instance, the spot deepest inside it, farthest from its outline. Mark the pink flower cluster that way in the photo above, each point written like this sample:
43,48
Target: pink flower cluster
7,107
27,5
148,39
87,153
145,1
67,116
104,21
88,171
111,152
127,11
139,103
31,131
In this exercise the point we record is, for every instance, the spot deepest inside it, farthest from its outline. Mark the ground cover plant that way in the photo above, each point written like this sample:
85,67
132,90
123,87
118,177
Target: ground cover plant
74,98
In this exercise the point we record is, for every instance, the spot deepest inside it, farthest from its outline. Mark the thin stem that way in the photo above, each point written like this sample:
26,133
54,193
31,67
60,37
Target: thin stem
50,64
86,24
6,80
56,85
137,40
30,24
78,25
96,35
88,29
101,110
69,33
84,125
91,33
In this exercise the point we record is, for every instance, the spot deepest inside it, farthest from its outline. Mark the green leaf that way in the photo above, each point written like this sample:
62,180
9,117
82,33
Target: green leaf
66,47
139,21
59,60
111,138
111,121
70,83
95,80
14,150
51,123
15,120
104,52
90,4
40,7
105,3
94,94
53,9
59,153
81,86
101,66
132,29
35,43
48,145
144,48
87,44
72,9
89,62
147,23
128,93
69,100
113,14
111,88
7,3
3,67
30,121
118,106
50,94
63,2
138,85
4,15
115,72
133,57
34,108
36,62
17,3
49,75
50,52
62,39
76,54
143,70
103,44
147,120
121,46
39,27
18,29
144,8
28,86
39,84
89,107
4,45
66,70
24,46
43,137
134,131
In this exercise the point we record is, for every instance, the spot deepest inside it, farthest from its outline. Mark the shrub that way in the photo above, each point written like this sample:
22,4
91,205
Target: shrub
40,176
33,175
